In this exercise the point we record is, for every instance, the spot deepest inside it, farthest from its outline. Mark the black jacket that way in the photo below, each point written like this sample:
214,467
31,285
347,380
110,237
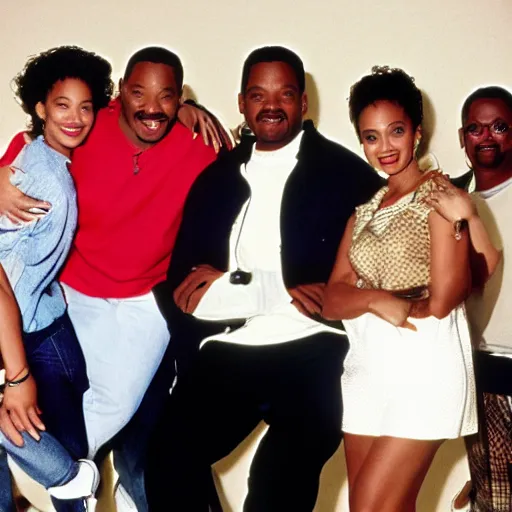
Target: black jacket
463,181
324,188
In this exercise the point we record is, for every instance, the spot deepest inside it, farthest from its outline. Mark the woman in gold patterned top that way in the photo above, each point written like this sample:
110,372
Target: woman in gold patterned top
399,284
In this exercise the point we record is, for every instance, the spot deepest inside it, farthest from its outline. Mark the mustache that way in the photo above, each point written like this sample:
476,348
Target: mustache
267,112
156,116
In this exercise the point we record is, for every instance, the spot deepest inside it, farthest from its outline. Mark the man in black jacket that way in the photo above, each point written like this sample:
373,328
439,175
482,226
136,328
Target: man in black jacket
257,243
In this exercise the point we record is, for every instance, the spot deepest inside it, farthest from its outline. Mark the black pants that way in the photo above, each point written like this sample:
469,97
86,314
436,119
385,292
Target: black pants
295,387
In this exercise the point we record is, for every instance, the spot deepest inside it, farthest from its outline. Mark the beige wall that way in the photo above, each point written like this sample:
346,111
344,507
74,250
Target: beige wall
450,46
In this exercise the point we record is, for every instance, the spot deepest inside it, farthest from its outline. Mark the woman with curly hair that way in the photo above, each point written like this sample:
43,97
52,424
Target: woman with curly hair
61,90
399,284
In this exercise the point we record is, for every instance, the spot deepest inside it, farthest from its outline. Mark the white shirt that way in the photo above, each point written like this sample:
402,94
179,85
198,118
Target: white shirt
489,310
255,246
489,192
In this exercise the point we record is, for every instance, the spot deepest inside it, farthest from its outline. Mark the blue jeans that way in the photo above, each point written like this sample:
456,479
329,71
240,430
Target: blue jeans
6,498
46,461
58,366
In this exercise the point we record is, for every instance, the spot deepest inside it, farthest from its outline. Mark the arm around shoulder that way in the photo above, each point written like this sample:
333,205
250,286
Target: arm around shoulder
450,270
456,204
484,255
14,204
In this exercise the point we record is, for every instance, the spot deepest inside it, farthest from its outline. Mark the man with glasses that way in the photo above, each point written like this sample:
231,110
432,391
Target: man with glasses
486,135
484,142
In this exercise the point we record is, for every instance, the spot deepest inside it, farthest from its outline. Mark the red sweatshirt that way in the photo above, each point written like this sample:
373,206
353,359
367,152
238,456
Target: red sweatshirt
15,146
127,223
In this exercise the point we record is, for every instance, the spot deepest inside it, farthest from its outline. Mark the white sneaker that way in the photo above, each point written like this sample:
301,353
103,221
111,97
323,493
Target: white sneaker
90,504
84,484
123,500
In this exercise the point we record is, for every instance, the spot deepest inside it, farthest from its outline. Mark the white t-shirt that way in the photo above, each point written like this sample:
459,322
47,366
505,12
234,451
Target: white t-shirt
489,310
255,246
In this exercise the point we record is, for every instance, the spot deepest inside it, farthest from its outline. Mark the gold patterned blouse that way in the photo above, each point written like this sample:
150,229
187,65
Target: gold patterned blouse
391,246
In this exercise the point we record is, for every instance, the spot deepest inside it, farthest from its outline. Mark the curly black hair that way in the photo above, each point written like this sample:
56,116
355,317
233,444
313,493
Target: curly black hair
386,84
43,71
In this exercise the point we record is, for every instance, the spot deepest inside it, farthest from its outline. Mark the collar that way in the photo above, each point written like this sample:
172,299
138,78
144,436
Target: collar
288,152
244,150
486,194
39,141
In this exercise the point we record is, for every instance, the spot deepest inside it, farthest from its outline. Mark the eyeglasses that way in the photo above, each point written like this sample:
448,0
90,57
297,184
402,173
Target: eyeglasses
498,127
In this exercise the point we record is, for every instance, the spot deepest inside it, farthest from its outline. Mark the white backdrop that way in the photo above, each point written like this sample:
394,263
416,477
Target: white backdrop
450,46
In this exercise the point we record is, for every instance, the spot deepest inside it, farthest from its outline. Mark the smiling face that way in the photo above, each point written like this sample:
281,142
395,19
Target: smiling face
487,133
150,98
68,115
388,137
273,105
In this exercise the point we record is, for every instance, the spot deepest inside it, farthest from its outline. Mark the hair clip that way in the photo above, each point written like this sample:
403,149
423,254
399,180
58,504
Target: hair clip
382,70
386,70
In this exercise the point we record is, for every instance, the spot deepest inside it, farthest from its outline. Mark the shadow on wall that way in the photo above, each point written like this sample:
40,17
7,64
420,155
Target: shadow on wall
441,484
428,125
313,100
444,480
445,461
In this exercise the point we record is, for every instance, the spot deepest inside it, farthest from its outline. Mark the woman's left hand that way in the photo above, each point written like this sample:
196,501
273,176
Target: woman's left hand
20,412
199,121
450,202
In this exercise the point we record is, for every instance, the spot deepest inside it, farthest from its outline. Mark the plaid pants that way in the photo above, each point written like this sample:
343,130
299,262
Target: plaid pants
490,450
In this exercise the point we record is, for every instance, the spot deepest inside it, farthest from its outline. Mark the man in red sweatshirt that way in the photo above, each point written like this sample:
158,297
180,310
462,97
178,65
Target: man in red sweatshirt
132,176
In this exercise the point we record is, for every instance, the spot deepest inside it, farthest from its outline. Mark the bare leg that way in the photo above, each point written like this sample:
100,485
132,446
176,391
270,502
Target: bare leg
356,451
390,477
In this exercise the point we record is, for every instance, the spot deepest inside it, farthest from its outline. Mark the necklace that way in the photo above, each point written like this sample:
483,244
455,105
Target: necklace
135,158
391,201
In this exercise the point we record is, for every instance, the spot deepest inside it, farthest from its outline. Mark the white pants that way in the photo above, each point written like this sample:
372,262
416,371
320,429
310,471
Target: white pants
123,341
